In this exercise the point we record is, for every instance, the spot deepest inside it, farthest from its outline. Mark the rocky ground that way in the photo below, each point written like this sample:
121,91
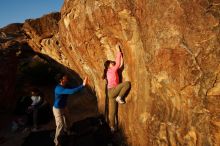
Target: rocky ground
10,137
87,133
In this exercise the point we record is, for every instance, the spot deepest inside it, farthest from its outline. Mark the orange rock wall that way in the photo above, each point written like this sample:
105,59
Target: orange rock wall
171,56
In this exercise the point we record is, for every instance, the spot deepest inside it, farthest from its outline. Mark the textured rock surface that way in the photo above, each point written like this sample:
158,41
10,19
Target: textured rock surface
8,68
19,74
43,37
171,53
42,34
9,47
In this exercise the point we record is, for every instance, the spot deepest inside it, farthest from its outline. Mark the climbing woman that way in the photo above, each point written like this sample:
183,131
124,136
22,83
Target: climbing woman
115,90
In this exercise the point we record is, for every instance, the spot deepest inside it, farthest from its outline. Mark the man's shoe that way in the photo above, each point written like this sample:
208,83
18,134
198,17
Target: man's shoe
70,133
119,100
35,129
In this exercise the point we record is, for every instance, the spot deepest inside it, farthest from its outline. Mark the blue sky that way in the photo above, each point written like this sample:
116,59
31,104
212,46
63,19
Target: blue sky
16,11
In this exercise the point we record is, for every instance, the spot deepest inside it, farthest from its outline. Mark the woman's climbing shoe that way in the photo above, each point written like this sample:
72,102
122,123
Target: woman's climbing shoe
119,100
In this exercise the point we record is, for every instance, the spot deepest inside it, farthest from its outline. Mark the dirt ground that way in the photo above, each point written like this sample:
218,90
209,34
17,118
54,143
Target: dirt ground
10,137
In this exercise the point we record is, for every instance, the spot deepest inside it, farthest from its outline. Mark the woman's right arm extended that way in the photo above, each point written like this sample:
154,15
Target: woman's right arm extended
119,59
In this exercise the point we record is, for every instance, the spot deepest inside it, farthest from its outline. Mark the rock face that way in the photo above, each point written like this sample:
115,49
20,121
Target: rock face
22,68
43,37
15,53
42,34
171,56
9,47
8,69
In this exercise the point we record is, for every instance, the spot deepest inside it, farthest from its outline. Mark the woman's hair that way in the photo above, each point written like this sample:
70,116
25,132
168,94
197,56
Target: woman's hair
106,65
35,91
